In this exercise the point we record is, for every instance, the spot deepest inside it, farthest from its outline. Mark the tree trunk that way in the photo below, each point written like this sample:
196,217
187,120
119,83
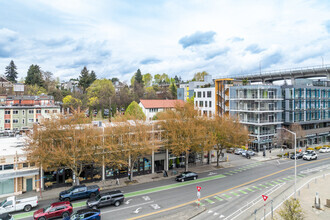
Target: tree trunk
186,161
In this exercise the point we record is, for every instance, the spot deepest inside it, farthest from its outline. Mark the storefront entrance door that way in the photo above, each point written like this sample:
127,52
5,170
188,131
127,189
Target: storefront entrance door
29,185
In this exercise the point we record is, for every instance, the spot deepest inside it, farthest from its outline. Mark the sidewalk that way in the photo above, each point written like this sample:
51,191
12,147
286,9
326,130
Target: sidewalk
233,161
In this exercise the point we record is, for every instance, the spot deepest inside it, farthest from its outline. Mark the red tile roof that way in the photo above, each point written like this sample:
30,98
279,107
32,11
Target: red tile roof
160,103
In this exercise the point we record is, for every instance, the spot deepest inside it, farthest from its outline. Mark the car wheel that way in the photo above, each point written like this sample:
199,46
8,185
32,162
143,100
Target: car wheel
92,195
315,158
182,180
67,199
65,214
42,218
195,178
117,203
27,208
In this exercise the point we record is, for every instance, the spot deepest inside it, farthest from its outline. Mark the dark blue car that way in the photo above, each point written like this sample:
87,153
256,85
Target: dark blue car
85,214
79,192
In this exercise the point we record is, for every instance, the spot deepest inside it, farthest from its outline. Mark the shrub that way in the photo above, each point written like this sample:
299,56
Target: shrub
69,180
291,210
48,184
279,155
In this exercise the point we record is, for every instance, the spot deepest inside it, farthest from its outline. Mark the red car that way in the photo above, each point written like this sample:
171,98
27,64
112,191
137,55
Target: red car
55,210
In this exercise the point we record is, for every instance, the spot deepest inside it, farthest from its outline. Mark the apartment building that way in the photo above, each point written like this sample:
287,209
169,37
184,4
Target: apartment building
17,175
21,112
307,103
259,108
205,101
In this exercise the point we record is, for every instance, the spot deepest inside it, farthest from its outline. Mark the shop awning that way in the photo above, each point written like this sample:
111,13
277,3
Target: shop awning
18,173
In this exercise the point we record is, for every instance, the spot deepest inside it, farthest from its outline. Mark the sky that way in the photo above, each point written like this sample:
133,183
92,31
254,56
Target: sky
116,37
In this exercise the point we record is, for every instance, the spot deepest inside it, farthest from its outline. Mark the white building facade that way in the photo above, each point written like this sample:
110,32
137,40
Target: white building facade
205,101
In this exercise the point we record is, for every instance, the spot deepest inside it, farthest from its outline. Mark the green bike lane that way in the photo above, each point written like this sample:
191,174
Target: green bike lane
232,171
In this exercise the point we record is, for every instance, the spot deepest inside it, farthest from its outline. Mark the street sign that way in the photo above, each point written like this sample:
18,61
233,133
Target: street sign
199,188
264,197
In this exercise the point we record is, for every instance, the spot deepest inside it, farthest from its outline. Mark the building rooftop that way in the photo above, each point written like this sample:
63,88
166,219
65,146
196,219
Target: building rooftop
161,103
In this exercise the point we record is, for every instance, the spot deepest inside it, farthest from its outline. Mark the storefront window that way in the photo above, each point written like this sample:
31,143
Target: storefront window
6,186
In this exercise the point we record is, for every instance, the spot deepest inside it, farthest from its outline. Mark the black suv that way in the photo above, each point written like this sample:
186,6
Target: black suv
105,199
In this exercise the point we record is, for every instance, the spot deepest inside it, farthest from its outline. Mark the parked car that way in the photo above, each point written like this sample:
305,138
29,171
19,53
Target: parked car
6,216
79,192
85,214
243,153
311,156
308,152
238,151
251,153
186,176
11,204
324,150
55,210
230,150
299,156
106,199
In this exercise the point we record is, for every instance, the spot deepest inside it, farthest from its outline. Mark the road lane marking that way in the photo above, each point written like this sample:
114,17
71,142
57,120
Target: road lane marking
256,187
235,194
227,196
155,206
209,201
251,190
218,198
127,207
242,191
226,190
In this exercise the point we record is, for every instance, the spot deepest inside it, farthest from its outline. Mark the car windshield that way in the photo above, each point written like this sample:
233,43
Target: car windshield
77,217
47,208
3,202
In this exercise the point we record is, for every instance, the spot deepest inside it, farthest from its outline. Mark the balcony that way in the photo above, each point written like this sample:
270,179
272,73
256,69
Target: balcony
266,109
260,122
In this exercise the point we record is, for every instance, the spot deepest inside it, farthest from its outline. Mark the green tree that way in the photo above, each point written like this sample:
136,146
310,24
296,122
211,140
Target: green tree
34,76
147,79
35,90
134,111
138,77
103,90
11,73
199,76
158,79
164,78
114,79
92,77
71,102
173,90
150,93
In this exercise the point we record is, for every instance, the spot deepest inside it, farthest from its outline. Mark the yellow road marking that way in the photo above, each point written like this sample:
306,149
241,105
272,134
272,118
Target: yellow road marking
226,190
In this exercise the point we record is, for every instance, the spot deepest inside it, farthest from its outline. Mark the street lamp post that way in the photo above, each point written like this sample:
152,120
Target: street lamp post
295,160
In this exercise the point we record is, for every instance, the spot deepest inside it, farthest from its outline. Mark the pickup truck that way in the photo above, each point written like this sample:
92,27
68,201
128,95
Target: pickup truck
11,204
105,199
79,192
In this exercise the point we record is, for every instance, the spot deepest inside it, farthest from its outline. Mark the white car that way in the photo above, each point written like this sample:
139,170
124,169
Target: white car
310,156
324,150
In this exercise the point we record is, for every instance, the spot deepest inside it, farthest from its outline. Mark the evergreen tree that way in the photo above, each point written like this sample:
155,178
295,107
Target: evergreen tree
138,77
173,90
34,76
11,73
84,79
92,77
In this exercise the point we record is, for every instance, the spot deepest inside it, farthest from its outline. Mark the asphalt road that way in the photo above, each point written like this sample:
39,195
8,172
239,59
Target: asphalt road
223,191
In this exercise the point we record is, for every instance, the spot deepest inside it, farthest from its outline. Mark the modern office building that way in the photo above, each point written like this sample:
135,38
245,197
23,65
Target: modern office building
307,103
205,101
259,108
21,112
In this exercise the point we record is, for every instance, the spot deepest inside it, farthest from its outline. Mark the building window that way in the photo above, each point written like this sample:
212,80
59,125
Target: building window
54,111
46,111
15,112
25,165
200,103
30,120
210,113
210,104
7,120
23,121
205,103
209,94
37,120
7,112
15,121
23,112
196,103
203,94
31,111
199,94
8,166
32,164
38,111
